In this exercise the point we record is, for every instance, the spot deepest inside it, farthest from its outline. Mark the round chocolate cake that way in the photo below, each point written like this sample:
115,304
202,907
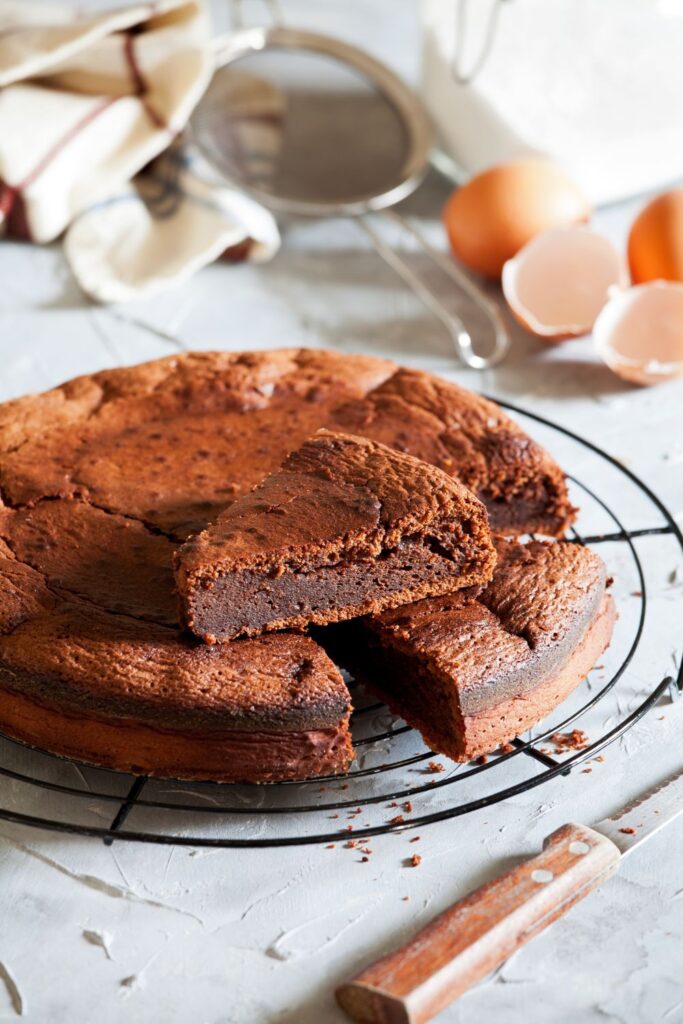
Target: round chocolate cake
103,478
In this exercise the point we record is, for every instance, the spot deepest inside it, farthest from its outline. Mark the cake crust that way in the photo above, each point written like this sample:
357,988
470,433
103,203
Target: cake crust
345,527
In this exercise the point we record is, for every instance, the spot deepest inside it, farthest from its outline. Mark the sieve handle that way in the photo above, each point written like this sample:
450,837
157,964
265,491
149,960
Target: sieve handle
460,336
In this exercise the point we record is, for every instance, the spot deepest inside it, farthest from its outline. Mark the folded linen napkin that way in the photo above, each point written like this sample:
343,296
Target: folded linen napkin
87,105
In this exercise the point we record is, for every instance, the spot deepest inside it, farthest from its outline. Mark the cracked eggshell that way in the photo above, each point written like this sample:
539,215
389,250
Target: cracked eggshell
639,333
490,218
559,281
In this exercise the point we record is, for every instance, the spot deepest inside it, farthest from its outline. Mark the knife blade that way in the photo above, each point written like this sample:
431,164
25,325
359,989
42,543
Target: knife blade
470,939
648,814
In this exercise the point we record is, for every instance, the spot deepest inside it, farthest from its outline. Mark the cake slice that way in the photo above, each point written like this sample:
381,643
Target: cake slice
345,527
476,668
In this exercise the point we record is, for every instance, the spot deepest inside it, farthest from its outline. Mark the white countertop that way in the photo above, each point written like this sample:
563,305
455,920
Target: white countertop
176,934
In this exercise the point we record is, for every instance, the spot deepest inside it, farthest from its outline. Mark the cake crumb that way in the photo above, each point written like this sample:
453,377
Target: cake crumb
415,860
408,807
483,759
566,741
586,771
330,846
405,898
433,768
600,757
397,820
628,831
349,828
351,844
506,748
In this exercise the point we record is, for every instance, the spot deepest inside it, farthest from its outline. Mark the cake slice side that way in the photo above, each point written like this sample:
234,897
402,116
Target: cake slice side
346,527
474,669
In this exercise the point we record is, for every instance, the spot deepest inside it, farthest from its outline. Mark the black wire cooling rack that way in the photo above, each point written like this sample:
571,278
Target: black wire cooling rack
395,783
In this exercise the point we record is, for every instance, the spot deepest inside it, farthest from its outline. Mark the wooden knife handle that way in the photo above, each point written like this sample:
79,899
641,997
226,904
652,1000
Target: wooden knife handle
470,939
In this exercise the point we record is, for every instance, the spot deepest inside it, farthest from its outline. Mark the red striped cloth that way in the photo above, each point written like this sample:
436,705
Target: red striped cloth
87,102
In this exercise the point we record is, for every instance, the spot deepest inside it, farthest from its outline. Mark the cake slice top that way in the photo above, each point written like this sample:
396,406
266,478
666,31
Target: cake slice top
337,501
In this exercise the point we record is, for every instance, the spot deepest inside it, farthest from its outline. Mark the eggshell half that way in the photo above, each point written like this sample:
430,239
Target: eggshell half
489,219
639,333
559,281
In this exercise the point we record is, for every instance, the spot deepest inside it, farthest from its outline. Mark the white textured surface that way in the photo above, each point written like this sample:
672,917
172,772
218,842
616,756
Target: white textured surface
149,934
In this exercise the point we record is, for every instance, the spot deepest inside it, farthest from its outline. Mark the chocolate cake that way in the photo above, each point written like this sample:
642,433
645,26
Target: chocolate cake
478,667
345,527
101,478
93,666
470,438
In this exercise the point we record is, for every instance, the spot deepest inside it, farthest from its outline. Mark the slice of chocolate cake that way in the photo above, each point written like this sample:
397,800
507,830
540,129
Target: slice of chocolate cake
344,528
474,669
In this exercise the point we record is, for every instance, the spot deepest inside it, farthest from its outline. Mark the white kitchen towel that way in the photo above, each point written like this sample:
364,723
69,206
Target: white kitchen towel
597,87
86,104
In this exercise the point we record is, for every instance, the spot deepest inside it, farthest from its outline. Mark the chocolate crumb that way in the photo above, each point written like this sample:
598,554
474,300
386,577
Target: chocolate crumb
364,860
628,831
566,741
405,898
397,820
408,807
415,839
330,846
483,759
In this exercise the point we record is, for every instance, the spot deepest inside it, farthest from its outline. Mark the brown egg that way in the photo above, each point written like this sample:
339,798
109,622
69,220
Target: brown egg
655,244
489,219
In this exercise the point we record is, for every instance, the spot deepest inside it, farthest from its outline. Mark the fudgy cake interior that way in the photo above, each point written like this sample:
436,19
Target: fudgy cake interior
473,669
347,526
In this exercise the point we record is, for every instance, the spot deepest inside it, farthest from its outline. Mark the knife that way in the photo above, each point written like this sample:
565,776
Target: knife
474,936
